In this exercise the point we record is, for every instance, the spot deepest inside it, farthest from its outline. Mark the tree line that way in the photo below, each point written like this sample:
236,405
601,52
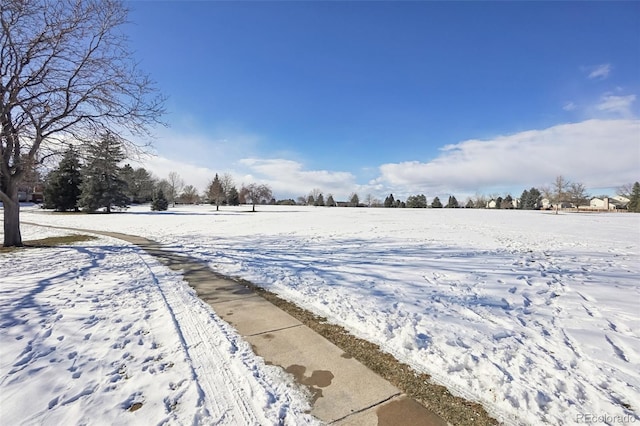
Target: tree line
92,179
561,193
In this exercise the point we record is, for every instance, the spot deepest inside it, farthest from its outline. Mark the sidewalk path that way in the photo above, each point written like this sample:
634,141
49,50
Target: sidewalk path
344,392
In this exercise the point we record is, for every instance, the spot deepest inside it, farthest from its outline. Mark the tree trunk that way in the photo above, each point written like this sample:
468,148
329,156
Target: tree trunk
253,208
12,236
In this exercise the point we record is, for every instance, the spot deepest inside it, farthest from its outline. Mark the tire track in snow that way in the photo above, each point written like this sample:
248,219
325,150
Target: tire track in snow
198,353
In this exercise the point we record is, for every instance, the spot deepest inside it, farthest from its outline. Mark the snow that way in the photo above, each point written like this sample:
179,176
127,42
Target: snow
101,333
532,314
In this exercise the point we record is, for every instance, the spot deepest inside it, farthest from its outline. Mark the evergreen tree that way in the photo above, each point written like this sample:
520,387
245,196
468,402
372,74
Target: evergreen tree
354,200
320,200
311,201
102,185
452,203
535,196
524,200
216,193
436,203
417,201
499,203
390,201
233,198
634,199
507,203
330,201
470,204
63,185
160,202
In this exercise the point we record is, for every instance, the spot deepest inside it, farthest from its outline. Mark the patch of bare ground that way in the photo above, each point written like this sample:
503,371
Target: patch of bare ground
437,398
50,242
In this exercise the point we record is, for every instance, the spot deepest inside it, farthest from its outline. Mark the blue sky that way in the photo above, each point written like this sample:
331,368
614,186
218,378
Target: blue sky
404,97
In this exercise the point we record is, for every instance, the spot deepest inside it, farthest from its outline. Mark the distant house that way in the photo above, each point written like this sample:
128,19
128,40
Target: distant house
492,204
621,199
31,194
606,203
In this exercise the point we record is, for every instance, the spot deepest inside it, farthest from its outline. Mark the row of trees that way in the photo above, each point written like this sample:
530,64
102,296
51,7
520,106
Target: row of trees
92,186
93,179
561,193
99,182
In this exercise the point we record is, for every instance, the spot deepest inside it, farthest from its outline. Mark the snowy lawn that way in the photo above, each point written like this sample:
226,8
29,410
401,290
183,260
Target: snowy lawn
534,315
101,333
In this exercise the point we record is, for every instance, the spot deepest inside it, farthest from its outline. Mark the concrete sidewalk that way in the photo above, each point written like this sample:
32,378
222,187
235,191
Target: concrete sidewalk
343,391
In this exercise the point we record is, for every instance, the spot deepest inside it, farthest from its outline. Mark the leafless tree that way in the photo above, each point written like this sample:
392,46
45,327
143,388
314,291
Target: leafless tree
315,193
190,195
368,200
175,187
255,194
625,190
227,183
480,201
577,194
66,73
559,192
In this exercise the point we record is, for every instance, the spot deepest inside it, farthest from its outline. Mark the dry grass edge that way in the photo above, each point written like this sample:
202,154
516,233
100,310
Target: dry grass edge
437,398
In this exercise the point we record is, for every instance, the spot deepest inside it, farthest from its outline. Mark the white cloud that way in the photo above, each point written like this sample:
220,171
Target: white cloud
620,105
161,166
569,106
599,72
598,153
287,178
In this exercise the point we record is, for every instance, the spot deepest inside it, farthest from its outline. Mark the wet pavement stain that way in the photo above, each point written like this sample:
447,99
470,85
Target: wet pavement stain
405,411
318,379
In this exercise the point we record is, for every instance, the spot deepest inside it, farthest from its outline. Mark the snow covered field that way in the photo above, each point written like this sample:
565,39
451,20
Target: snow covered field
534,315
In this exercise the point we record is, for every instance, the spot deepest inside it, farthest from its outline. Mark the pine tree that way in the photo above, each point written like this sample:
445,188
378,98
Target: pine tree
330,201
160,202
390,201
634,200
215,192
436,203
233,198
354,200
416,201
452,203
499,203
102,185
320,200
63,185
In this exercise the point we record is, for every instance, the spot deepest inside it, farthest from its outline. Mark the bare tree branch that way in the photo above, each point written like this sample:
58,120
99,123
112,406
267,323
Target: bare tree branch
66,73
